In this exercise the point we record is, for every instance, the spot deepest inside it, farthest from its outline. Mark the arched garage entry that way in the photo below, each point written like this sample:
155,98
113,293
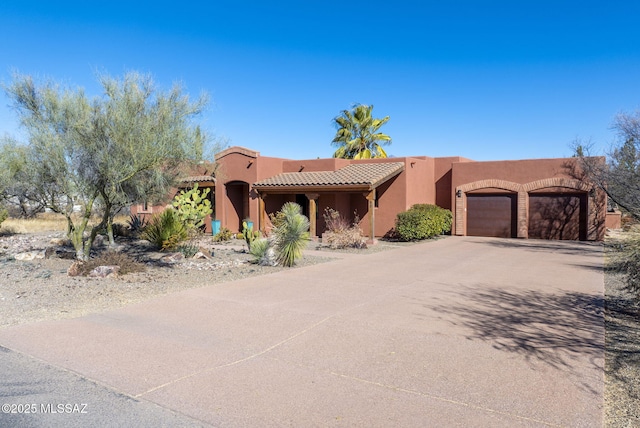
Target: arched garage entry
553,208
492,214
558,208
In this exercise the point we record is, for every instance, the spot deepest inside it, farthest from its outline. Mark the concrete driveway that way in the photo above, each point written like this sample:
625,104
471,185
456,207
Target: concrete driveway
457,332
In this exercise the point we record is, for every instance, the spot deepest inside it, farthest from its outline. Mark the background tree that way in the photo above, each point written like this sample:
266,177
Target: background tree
15,193
620,176
103,153
358,136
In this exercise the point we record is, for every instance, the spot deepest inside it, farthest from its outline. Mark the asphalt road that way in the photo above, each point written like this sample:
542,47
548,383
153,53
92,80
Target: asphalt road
36,394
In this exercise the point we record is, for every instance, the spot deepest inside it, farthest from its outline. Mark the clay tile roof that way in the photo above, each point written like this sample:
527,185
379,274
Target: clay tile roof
197,178
359,174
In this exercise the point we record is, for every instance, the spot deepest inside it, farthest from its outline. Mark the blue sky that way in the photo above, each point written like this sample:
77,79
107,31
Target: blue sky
481,79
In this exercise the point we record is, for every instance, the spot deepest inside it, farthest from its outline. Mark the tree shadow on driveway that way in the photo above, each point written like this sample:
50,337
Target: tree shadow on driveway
588,248
554,328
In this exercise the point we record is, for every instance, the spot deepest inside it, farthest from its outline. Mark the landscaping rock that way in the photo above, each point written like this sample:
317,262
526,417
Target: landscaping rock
30,255
74,269
59,253
104,272
172,258
60,242
200,255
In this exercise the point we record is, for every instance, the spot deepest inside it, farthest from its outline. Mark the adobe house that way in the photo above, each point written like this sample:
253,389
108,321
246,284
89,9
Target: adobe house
538,198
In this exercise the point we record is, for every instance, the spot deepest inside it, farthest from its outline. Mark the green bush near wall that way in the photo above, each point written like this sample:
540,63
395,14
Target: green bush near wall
423,221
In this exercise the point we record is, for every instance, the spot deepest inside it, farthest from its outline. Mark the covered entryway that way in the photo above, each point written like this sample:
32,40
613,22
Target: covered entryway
238,207
558,216
492,215
351,187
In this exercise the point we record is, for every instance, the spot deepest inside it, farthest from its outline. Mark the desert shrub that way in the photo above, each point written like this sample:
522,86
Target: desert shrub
136,224
120,229
627,222
111,258
192,207
334,221
422,221
165,230
626,260
223,235
263,252
340,233
291,234
3,215
188,250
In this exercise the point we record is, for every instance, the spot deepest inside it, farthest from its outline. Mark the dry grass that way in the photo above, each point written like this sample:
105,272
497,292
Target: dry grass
44,222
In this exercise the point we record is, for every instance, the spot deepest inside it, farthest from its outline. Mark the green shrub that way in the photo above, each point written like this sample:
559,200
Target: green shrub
423,221
291,234
223,235
165,230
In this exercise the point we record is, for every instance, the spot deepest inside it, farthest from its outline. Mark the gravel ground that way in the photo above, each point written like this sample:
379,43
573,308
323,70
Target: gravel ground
622,354
41,289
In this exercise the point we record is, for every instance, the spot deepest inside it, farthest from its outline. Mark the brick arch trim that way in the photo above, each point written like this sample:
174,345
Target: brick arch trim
569,183
491,183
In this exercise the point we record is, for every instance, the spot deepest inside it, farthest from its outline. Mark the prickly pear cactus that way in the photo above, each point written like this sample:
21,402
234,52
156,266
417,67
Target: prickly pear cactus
192,206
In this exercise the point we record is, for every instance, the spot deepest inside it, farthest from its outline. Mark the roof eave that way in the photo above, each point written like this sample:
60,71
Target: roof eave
314,188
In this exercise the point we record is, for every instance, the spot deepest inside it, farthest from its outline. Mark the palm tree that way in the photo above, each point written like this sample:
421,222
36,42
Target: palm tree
357,136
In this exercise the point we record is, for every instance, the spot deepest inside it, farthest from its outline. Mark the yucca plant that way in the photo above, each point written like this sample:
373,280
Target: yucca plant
165,230
291,234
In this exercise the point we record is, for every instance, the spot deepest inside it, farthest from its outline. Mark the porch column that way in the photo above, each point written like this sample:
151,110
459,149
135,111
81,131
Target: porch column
371,199
523,214
261,212
313,212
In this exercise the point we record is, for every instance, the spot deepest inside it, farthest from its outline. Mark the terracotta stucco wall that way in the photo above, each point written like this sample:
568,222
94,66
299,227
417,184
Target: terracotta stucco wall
442,176
246,166
308,165
523,177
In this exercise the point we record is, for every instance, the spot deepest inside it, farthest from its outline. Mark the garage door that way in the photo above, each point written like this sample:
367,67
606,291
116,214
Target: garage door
558,216
492,215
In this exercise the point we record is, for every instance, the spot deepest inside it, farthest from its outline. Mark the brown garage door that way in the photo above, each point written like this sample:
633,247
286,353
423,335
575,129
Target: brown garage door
492,215
558,216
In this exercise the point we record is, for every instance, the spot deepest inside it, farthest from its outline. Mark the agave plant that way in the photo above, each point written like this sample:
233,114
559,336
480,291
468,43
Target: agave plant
165,230
291,234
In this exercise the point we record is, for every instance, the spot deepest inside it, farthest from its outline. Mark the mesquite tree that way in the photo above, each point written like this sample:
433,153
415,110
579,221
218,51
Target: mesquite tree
100,154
